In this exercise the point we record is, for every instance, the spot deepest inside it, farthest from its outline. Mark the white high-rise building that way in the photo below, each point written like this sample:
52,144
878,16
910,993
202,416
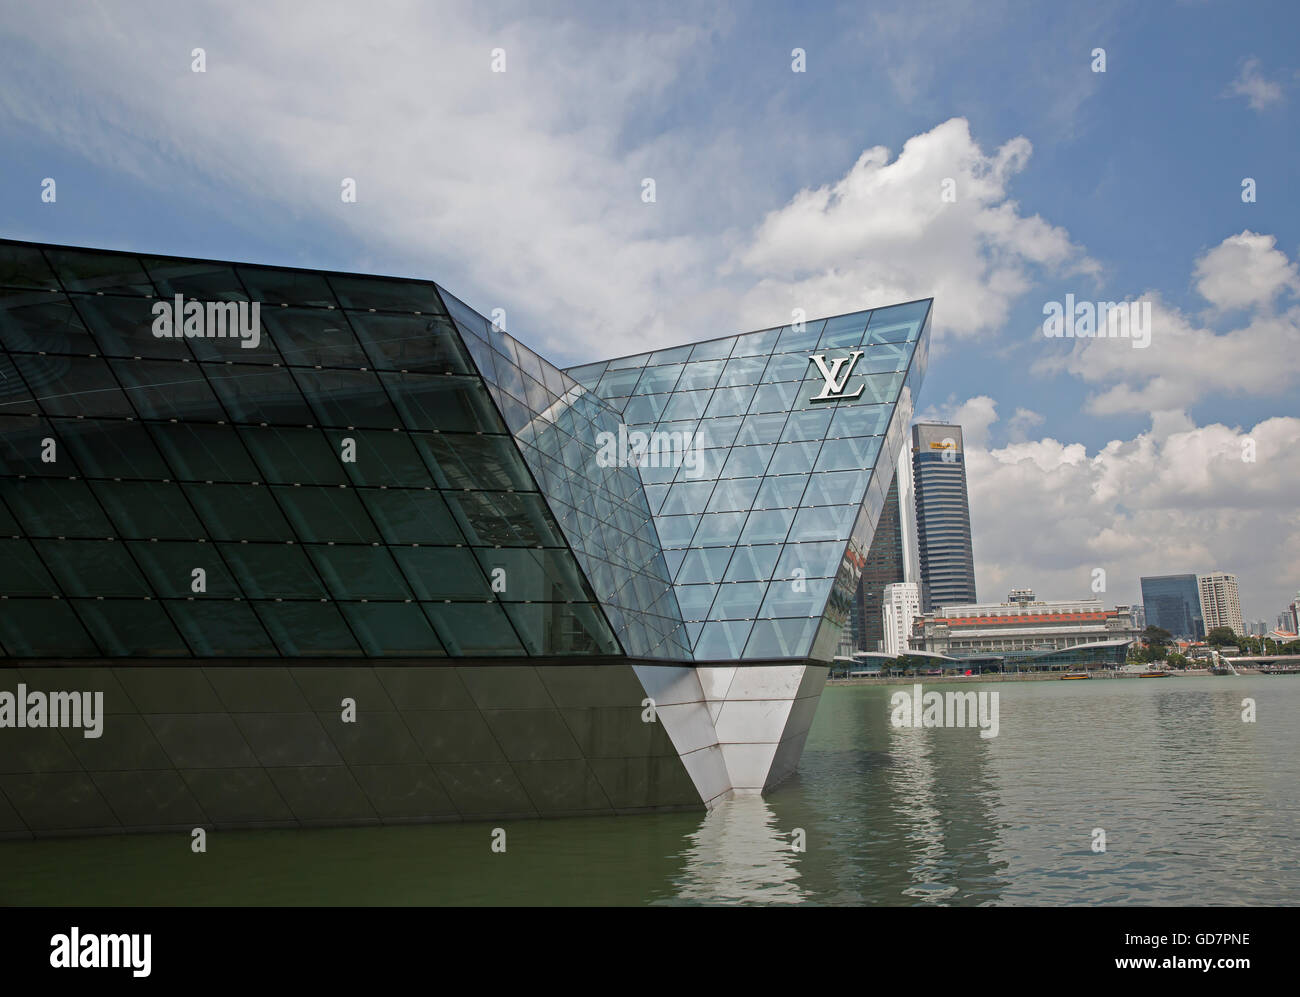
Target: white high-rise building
901,605
1220,604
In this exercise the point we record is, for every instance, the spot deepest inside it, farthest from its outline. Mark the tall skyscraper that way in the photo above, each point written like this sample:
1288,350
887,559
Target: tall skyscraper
942,516
1220,603
902,605
1173,603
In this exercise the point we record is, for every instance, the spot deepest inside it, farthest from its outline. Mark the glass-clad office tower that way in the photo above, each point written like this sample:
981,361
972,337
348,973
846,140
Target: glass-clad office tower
334,549
1173,602
942,516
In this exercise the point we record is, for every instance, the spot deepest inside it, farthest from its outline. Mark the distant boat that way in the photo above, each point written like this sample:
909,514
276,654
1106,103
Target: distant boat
1154,675
1071,676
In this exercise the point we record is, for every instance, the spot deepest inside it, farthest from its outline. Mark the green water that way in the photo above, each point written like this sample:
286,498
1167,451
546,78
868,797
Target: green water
1197,808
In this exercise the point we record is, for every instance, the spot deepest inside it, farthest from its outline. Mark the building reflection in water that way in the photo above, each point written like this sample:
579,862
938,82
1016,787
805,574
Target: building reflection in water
740,855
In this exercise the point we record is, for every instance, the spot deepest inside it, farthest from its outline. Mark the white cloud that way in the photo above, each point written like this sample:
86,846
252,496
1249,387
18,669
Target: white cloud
883,233
1045,513
1187,359
1251,84
1243,270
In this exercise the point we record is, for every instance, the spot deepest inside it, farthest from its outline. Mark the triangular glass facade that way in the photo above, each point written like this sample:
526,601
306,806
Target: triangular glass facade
766,528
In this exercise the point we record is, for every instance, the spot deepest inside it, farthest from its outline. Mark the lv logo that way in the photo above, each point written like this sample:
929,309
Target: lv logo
835,381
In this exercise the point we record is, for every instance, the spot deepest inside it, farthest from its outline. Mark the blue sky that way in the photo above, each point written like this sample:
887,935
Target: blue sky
522,190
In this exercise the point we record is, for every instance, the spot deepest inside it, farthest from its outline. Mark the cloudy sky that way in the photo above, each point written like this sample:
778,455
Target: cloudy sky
967,151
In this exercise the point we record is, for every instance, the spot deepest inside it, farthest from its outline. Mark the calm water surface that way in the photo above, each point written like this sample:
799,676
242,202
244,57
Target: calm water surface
1197,806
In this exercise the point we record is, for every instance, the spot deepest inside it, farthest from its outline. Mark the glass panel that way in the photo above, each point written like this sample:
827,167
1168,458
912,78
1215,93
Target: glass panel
205,453
392,628
48,507
809,424
860,420
113,450
99,271
733,494
288,287
238,512
837,488
307,628
795,339
770,526
719,529
738,601
170,568
73,386
194,279
555,628
23,448
313,338
844,331
695,600
781,638
412,342
849,454
294,456
775,397
132,628
260,395
21,572
784,492
473,628
700,375
220,629
93,567
730,401
24,266
721,641
382,457
746,370
43,628
752,563
350,398
802,597
448,404
386,293
703,565
148,509
326,515
504,519
443,573
761,428
123,327
15,399
794,458
472,461
815,560
416,517
659,379
355,572
687,497
162,390
746,462
274,571
40,322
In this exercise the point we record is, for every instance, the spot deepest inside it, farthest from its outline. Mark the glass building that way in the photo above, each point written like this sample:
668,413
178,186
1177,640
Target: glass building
942,516
1173,602
335,549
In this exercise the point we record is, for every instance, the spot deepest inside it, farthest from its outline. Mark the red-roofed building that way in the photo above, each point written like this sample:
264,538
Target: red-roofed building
1022,623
